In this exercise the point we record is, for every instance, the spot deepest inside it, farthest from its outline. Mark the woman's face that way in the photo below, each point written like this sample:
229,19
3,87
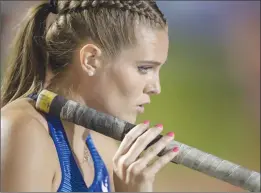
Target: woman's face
122,88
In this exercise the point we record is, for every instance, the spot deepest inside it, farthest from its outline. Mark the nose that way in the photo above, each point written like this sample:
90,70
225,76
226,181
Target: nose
153,87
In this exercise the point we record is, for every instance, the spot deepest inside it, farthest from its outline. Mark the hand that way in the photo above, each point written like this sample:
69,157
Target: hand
135,172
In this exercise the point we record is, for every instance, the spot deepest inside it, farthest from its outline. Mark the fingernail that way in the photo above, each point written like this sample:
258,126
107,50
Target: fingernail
175,149
159,126
170,134
146,122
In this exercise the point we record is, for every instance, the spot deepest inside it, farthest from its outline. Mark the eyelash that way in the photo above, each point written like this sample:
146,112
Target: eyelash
144,69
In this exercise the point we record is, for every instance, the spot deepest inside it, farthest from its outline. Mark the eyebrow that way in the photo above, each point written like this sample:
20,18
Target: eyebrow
156,63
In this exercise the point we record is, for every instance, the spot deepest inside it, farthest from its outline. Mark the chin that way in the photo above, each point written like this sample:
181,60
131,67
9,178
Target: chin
131,119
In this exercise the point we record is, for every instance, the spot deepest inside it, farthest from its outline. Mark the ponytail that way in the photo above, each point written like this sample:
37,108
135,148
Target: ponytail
26,66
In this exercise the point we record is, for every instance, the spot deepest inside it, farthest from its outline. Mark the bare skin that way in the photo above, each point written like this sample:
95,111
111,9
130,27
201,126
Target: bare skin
22,128
121,88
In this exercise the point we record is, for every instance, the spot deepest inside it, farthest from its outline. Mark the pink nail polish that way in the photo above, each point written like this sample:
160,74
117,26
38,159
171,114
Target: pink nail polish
175,149
170,134
159,126
146,122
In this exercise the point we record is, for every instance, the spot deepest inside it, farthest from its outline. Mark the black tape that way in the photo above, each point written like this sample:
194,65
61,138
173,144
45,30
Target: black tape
57,105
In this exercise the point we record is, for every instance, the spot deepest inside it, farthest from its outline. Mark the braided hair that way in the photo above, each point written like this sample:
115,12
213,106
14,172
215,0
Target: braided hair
111,24
147,9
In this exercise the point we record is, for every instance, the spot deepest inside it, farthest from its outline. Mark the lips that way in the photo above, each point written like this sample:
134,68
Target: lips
140,109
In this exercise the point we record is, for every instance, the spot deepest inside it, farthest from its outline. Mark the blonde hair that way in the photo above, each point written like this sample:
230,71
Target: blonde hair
108,23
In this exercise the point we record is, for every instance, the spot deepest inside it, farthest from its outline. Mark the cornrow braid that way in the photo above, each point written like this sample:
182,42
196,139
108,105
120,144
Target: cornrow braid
146,8
112,25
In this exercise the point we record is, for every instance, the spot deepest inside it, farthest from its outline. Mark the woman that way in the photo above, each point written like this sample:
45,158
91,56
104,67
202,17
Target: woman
106,54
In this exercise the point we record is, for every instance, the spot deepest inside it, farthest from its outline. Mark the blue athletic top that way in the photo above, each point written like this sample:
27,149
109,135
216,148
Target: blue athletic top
72,179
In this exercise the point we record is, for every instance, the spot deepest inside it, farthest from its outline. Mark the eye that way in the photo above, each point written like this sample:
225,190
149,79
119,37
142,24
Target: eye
144,69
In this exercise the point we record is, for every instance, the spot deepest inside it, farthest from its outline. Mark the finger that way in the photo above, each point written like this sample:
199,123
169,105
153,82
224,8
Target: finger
141,143
130,137
161,162
134,170
156,148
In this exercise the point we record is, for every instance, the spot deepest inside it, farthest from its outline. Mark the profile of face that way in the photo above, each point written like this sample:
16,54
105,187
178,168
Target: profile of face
123,86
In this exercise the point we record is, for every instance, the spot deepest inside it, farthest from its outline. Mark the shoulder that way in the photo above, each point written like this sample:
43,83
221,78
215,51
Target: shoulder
21,123
20,117
21,110
24,138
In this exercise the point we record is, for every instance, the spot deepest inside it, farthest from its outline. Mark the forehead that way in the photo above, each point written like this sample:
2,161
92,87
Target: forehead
152,44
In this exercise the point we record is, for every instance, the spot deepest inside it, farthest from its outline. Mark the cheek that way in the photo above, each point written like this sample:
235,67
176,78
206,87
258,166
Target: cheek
119,87
130,83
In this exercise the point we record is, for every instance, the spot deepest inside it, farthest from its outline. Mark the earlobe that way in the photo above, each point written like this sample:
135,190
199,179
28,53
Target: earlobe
91,73
89,68
89,65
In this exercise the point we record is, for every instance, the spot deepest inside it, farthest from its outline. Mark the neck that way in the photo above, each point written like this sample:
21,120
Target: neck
77,138
76,134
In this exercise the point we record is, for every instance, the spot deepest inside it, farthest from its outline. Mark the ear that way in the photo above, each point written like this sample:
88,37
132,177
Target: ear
90,58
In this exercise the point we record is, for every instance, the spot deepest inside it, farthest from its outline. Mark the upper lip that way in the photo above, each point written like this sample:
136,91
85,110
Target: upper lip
142,104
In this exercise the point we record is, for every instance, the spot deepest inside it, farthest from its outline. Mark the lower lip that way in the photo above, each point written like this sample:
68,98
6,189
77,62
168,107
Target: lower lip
140,109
